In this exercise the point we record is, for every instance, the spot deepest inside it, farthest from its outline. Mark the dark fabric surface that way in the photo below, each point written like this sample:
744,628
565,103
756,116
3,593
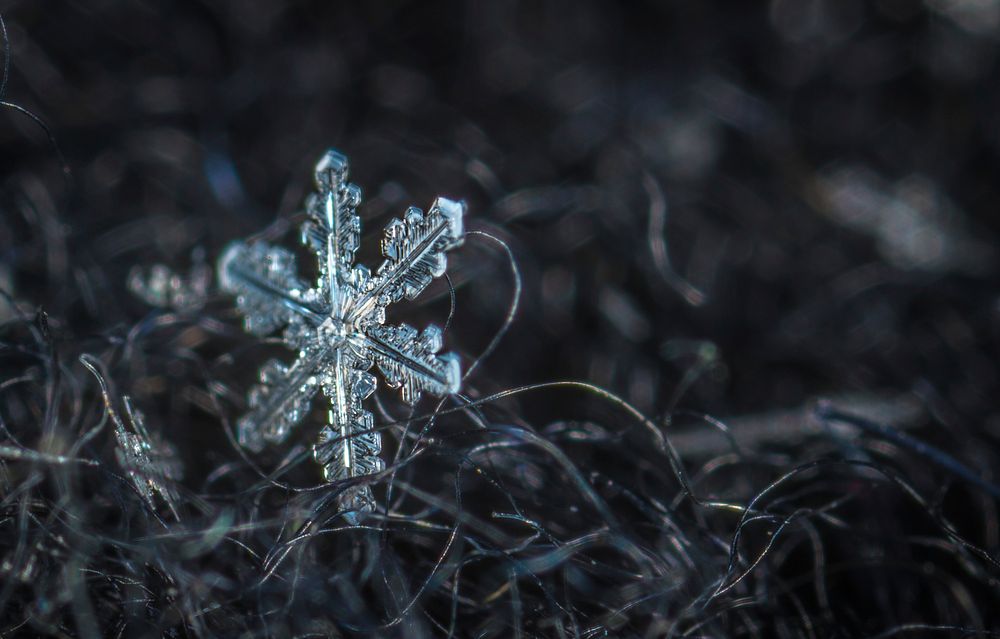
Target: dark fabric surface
719,213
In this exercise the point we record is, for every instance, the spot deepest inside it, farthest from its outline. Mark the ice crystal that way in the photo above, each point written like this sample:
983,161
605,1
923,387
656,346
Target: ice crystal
152,464
338,325
164,288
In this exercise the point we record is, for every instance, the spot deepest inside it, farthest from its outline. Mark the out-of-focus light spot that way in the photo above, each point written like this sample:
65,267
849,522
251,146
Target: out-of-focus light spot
816,21
163,95
624,314
7,309
398,88
509,69
223,178
981,17
576,88
916,226
687,142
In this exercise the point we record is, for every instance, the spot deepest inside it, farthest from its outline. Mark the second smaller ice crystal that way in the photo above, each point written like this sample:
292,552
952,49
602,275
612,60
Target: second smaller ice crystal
163,288
152,465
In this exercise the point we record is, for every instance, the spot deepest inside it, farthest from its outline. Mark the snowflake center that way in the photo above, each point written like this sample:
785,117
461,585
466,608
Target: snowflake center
332,331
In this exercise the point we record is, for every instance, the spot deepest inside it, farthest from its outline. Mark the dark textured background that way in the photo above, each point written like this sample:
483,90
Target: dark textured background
728,208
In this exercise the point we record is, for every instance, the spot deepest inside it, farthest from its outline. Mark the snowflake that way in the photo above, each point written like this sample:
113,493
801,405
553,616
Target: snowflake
338,326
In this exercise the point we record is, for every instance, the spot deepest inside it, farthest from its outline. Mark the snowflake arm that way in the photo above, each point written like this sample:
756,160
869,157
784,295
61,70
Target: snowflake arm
334,229
268,292
348,446
279,402
409,359
414,248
